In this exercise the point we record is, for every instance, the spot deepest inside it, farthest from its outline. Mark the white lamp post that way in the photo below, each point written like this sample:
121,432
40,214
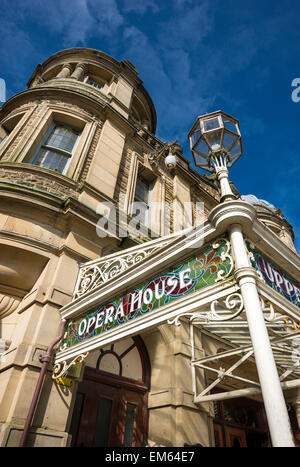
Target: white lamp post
215,142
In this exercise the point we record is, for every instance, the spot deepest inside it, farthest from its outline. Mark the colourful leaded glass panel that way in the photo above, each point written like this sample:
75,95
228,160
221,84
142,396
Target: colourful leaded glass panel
274,276
194,274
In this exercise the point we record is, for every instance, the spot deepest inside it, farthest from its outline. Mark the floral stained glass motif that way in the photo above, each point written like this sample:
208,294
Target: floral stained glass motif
213,264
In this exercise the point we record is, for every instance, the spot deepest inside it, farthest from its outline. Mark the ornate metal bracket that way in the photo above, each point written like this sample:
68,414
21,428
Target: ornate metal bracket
61,369
154,157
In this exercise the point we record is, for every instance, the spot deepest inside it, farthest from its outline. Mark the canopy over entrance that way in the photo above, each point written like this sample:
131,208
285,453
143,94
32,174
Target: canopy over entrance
189,276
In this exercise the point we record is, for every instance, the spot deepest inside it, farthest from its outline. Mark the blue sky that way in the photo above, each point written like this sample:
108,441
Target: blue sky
194,57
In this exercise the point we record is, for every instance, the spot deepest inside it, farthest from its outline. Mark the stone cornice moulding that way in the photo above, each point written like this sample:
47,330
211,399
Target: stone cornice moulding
268,242
90,103
71,84
42,171
49,201
45,92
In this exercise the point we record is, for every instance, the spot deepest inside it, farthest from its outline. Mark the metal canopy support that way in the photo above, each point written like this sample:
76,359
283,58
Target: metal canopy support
226,319
242,392
283,357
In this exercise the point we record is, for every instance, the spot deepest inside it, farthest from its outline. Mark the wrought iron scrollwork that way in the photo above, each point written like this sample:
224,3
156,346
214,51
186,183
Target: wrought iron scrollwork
275,317
61,369
224,255
92,275
229,308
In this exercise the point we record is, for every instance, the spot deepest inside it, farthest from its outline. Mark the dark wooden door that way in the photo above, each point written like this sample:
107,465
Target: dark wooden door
235,437
109,415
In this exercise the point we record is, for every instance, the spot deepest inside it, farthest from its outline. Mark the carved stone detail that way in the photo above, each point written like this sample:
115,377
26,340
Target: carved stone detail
8,304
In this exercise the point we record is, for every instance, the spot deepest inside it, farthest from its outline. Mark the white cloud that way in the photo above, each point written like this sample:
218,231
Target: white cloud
142,52
189,27
76,21
168,80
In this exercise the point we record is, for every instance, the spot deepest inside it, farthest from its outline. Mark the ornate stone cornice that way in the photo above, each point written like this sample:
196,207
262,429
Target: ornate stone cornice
8,304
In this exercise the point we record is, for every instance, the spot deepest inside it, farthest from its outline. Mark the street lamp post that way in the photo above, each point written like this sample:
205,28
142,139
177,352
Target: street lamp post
215,142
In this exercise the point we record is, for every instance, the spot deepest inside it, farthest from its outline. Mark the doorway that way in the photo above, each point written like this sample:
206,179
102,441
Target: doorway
111,410
240,423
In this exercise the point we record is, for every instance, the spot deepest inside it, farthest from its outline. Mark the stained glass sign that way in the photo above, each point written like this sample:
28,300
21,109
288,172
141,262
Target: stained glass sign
274,276
213,264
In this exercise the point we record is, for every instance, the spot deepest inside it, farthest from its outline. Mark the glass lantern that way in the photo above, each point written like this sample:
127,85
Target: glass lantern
215,133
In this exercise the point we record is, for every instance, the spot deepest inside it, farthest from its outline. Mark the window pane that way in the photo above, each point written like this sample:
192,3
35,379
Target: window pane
142,191
94,83
141,205
103,422
129,425
3,139
230,125
228,140
236,149
195,136
211,124
62,138
214,138
140,210
52,160
202,147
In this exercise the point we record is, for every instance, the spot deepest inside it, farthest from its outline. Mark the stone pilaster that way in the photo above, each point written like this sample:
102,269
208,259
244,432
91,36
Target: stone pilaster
174,419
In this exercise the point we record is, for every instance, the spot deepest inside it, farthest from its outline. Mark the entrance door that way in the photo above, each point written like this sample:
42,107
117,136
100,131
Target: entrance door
240,423
109,414
235,438
111,402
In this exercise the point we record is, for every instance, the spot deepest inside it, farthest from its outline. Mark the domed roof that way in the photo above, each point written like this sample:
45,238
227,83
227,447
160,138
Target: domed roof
252,199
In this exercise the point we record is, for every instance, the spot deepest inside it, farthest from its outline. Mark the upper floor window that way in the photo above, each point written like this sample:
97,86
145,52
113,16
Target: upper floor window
143,197
57,148
95,83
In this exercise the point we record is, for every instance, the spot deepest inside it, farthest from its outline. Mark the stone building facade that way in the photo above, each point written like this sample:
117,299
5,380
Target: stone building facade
80,137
